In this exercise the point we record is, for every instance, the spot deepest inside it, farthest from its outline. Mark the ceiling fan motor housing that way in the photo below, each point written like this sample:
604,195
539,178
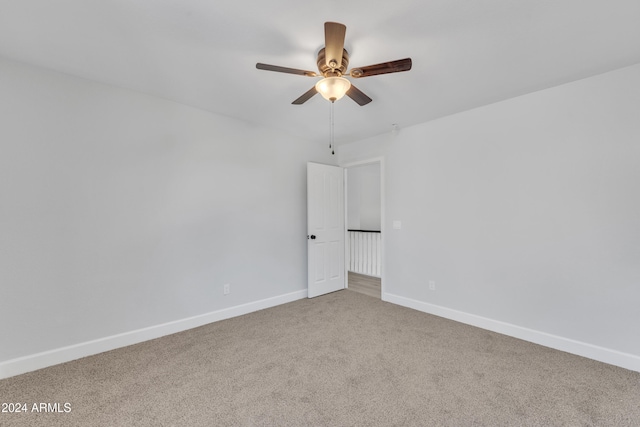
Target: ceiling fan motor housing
327,71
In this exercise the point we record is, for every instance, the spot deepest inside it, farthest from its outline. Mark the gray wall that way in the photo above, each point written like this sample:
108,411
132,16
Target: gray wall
121,211
363,197
525,212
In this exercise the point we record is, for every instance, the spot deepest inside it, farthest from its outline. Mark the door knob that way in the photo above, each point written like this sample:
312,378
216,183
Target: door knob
312,237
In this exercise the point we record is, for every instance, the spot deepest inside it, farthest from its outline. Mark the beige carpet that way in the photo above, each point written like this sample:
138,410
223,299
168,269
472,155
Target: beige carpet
344,359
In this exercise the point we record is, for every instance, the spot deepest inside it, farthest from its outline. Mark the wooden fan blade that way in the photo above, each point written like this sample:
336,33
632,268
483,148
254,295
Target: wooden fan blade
383,68
306,96
279,69
358,96
334,43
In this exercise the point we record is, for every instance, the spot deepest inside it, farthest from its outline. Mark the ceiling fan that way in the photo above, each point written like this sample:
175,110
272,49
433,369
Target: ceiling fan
333,61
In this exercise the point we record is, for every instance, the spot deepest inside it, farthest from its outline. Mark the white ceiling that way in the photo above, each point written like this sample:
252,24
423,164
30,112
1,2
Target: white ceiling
466,53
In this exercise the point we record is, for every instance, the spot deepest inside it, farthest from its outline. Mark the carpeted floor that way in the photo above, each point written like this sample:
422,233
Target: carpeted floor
343,359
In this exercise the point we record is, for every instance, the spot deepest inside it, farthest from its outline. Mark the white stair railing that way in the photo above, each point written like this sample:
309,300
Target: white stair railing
365,252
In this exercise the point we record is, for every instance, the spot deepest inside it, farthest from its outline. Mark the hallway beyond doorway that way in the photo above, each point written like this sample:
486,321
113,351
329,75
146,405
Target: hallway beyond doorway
363,284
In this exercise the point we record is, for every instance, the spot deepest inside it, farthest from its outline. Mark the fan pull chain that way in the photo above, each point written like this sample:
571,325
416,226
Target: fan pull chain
331,130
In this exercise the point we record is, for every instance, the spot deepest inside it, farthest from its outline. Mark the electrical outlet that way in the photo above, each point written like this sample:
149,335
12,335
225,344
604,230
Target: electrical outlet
227,289
432,285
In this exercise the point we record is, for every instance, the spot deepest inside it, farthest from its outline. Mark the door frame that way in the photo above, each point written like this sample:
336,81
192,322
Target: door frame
373,160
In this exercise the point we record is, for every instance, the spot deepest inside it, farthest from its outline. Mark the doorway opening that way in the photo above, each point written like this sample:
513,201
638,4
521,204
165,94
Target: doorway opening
364,223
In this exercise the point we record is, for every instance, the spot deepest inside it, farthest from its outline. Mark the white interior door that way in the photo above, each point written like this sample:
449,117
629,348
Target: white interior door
325,228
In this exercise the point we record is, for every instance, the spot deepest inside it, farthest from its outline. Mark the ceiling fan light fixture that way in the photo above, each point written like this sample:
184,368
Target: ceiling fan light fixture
333,88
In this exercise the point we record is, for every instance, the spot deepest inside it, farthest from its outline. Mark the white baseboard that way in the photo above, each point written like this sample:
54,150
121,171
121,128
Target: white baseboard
66,354
612,357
